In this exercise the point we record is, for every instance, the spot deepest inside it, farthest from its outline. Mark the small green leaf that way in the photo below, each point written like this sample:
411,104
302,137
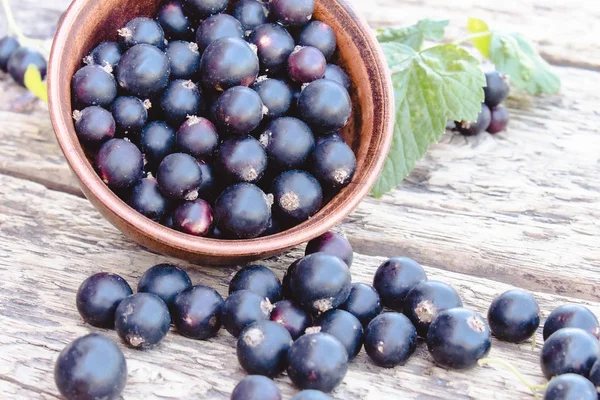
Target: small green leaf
414,35
433,86
33,83
481,43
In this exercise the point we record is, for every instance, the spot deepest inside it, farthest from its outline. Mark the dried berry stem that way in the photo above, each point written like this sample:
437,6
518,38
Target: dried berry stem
532,387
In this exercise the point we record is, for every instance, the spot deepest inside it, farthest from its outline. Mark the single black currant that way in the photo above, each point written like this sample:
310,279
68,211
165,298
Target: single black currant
571,316
242,160
193,217
216,27
165,281
142,320
130,114
319,35
275,94
91,367
292,12
288,141
471,128
496,89
99,296
142,30
274,45
180,100
174,21
345,327
306,64
335,136
184,59
179,176
363,302
325,105
196,312
256,387
106,53
291,317
514,316
94,85
310,394
228,62
569,350
332,243
120,163
317,361
258,279
297,196
285,282
243,211
197,137
250,13
570,387
143,70
205,8
499,121
239,110
20,59
262,348
94,125
157,141
337,74
395,278
390,339
333,163
146,198
243,308
8,45
458,338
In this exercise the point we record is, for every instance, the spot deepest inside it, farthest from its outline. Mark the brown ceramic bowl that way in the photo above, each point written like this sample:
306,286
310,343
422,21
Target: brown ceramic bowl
88,22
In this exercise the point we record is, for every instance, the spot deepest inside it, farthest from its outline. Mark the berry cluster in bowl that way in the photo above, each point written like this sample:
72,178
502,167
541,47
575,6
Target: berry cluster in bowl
219,120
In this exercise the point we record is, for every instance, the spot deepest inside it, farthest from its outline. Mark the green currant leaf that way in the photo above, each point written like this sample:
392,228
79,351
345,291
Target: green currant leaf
481,43
33,83
432,86
414,35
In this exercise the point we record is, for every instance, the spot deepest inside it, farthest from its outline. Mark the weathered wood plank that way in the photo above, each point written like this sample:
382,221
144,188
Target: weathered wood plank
51,241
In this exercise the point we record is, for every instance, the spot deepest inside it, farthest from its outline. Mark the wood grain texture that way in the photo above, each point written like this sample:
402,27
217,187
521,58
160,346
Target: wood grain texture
62,240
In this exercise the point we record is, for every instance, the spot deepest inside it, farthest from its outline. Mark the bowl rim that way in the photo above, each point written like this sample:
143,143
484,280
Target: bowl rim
101,196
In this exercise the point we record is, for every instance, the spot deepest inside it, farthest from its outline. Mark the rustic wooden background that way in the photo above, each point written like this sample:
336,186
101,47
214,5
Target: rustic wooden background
484,214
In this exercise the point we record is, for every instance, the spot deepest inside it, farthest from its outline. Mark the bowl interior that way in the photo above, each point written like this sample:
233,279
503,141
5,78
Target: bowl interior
88,22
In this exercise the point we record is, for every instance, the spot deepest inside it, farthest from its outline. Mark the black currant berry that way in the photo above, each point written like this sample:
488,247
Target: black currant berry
285,282
197,137
499,121
174,21
106,53
184,59
142,320
594,375
274,45
363,302
130,113
570,387
496,89
458,338
571,316
273,228
256,387
428,299
205,8
395,278
320,282
94,126
196,312
345,327
228,62
157,141
94,85
209,188
99,296
250,13
143,70
8,45
193,217
142,30
319,35
258,279
297,196
21,59
471,128
292,12
243,211
291,317
239,110
335,136
317,361
332,243
514,316
311,395
147,199
120,163
179,176
262,348
390,339
242,160
91,367
216,27
337,74
275,94
165,281
288,142
243,308
306,64
180,99
569,350
333,164
325,105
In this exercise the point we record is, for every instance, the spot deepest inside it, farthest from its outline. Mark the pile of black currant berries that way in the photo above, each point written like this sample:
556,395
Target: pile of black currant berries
15,59
219,120
493,116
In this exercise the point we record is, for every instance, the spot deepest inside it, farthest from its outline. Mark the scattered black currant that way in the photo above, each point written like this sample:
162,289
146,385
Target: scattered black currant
196,312
157,141
458,338
184,59
390,339
570,387
180,99
332,243
325,105
333,163
120,163
306,64
99,296
335,136
311,395
395,278
345,327
179,176
165,281
337,74
569,350
250,13
499,121
291,317
91,367
8,45
275,94
297,196
106,53
258,279
142,30
146,198
205,8
288,142
20,59
174,21
363,302
274,45
496,89
228,62
193,217
216,27
471,128
320,282
319,35
317,361
130,113
94,125
514,316
143,70
197,137
142,320
243,211
94,85
262,348
292,13
243,308
239,110
571,316
256,387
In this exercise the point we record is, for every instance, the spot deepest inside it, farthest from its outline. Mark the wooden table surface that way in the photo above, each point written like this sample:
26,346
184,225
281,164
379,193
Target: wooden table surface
483,214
